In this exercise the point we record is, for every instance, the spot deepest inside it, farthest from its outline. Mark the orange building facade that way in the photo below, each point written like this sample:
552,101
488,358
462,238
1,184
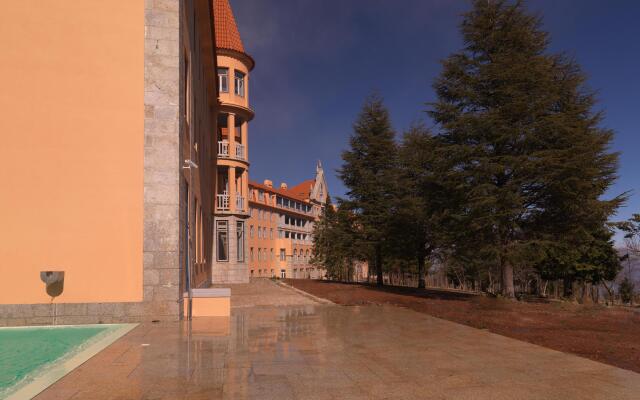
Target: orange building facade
108,158
281,228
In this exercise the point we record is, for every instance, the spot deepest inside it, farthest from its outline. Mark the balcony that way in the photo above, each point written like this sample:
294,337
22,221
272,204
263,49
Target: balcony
240,151
222,203
223,148
224,151
239,203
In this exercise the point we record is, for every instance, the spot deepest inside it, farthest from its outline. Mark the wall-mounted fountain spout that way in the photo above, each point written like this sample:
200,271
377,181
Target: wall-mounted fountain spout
54,281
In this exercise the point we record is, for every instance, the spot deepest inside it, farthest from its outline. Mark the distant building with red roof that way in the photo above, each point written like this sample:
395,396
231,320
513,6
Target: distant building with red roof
281,227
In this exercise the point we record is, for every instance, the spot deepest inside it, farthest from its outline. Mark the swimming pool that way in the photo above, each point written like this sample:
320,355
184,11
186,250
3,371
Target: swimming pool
32,358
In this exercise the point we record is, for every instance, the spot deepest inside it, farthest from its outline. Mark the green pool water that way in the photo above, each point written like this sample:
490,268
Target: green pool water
28,353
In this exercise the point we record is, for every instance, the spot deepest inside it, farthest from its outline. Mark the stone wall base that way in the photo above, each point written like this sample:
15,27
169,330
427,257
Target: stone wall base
87,313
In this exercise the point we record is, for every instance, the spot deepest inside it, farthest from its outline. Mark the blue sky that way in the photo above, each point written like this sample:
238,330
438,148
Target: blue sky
316,61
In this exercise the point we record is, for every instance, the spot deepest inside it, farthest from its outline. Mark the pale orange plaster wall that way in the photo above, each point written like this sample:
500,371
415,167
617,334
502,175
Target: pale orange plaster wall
209,307
71,156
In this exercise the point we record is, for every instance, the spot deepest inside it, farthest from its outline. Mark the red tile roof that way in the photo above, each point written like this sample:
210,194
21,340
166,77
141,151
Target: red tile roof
304,189
227,35
287,193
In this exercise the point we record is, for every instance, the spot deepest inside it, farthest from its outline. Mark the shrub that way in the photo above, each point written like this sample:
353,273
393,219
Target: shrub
626,290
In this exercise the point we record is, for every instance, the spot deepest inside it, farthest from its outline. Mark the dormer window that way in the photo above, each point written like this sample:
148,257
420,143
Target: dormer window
239,83
223,80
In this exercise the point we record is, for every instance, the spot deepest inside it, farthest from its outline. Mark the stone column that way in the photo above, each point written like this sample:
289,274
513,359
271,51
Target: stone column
232,189
231,131
245,187
244,134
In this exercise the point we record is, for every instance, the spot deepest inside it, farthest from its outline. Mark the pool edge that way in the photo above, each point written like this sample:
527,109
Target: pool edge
58,371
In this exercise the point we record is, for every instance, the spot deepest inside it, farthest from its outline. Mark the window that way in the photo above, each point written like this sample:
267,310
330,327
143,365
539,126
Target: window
222,230
251,254
295,256
280,234
239,83
283,255
240,237
251,231
271,233
273,256
261,195
283,274
223,80
279,200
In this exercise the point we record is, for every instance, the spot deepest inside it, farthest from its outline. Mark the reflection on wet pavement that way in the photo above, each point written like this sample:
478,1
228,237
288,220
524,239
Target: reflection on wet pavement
333,352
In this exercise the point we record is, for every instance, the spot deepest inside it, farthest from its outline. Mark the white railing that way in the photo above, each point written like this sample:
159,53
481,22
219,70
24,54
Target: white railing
239,203
240,151
223,201
223,148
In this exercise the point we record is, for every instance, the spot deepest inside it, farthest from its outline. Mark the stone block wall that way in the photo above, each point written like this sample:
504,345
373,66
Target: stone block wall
162,206
162,161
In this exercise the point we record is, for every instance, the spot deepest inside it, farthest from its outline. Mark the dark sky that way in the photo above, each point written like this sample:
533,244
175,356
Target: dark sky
316,61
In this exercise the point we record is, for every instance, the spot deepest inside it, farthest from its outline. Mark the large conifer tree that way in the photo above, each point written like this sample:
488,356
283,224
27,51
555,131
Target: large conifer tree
368,172
421,200
336,243
524,148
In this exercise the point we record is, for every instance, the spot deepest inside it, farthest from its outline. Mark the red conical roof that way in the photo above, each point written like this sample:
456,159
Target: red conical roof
227,35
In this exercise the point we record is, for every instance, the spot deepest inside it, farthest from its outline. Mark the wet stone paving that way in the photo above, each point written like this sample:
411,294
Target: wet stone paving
318,351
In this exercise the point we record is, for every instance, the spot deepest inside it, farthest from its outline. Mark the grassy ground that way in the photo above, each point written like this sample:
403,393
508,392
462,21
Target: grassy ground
608,335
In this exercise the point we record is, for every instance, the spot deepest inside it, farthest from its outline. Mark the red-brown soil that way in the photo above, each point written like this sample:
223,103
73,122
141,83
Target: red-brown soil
608,335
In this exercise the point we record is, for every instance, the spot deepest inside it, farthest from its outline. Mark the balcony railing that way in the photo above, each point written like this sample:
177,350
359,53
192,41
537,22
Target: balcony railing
223,202
240,151
223,148
224,151
239,203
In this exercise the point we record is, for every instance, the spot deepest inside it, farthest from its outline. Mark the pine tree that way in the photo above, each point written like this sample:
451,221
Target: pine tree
631,229
323,252
421,198
523,148
368,173
336,243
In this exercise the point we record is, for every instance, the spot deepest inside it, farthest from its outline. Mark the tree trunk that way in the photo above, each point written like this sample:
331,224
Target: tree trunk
567,286
586,297
507,281
421,282
378,261
610,297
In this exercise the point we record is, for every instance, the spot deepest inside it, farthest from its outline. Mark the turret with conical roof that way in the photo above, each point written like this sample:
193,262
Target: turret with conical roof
232,205
227,34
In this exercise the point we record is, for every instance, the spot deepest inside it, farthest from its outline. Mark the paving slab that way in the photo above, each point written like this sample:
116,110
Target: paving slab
261,292
334,352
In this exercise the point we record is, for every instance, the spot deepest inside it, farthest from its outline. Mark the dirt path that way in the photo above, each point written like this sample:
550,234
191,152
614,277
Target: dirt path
611,336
